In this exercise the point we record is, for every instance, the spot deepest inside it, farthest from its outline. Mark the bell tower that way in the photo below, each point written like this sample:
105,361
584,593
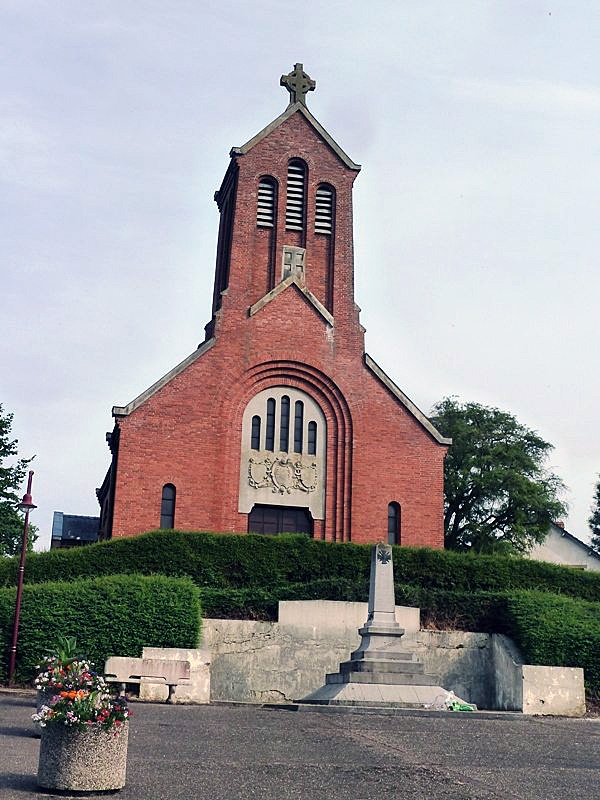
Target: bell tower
286,216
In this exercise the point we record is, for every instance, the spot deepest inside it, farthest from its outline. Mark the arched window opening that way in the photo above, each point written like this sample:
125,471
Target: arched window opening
324,202
270,434
298,426
312,438
295,201
394,523
284,424
255,436
265,205
167,506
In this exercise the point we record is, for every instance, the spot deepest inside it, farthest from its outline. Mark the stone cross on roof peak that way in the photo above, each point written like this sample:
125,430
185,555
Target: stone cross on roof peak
298,83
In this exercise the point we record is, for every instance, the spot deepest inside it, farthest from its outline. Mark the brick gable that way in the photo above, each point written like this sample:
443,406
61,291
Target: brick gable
304,334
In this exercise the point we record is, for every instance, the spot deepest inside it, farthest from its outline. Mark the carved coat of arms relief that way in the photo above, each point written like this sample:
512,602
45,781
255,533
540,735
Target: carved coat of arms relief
282,474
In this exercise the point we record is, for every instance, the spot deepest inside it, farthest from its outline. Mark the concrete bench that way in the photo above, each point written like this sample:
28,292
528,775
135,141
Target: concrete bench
155,670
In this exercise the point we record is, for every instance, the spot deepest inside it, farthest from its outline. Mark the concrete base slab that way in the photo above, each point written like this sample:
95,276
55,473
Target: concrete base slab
376,694
389,711
381,678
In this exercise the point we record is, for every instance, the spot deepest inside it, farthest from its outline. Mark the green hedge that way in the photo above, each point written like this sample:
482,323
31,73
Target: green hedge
114,615
557,630
222,561
261,603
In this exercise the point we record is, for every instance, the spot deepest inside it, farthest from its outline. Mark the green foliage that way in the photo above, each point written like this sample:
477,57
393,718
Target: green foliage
244,577
498,495
11,477
594,520
215,560
228,561
115,615
261,602
555,630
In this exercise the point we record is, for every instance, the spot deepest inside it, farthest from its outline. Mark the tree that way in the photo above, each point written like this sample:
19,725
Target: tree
498,496
594,520
11,478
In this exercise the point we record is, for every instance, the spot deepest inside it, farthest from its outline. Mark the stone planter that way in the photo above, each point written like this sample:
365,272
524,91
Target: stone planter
43,698
92,760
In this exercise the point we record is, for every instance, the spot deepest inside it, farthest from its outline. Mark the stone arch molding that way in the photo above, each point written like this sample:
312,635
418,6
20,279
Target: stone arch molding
274,471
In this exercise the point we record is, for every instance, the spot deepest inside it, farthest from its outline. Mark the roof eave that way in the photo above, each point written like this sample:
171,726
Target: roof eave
125,411
406,401
290,110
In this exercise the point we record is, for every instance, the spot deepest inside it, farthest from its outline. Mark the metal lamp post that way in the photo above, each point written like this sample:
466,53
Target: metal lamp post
25,505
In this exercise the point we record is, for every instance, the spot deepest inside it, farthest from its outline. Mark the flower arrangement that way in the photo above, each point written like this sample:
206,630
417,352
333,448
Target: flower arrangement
82,709
64,669
80,698
56,674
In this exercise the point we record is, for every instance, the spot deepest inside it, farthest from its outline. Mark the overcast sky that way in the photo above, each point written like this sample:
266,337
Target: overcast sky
476,212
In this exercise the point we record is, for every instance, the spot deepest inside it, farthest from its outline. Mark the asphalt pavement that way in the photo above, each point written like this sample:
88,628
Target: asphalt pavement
221,752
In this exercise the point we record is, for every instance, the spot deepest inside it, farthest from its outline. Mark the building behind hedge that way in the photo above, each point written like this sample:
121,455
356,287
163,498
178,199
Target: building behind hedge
279,420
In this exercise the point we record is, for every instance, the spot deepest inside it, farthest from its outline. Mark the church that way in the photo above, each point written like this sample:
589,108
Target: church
280,421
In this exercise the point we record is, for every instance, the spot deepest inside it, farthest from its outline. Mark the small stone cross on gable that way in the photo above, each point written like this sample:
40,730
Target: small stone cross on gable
298,84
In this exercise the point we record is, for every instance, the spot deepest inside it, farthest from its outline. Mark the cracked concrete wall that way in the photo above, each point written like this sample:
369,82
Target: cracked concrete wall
280,662
261,662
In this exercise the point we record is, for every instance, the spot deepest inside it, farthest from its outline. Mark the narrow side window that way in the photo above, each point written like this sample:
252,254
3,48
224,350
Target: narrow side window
167,506
298,425
312,438
394,523
270,434
284,425
255,435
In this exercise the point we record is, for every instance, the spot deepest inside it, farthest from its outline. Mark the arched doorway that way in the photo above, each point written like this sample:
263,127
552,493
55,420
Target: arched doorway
279,519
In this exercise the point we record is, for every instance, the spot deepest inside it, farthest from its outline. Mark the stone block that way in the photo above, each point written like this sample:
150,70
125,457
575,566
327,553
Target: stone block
194,690
325,616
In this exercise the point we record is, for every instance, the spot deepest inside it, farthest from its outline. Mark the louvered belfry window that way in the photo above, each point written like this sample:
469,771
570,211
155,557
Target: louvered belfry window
265,206
296,188
324,209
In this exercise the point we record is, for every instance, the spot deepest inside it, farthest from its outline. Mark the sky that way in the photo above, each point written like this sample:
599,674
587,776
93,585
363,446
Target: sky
477,241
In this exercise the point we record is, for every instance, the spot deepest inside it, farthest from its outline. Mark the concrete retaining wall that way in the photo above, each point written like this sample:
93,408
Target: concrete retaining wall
260,662
534,689
279,662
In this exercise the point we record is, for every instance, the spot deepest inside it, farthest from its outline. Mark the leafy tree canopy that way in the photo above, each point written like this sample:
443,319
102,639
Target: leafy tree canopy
12,475
594,520
498,496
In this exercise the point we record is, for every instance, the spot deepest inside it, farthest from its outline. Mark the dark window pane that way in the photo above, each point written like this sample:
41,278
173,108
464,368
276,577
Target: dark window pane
393,523
298,425
255,441
279,519
312,438
284,428
270,435
167,506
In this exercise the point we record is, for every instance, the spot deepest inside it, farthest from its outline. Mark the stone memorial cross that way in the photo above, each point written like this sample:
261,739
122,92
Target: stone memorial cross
298,84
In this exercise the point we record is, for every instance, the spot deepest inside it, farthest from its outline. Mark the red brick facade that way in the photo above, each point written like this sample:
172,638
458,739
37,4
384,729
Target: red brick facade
304,334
